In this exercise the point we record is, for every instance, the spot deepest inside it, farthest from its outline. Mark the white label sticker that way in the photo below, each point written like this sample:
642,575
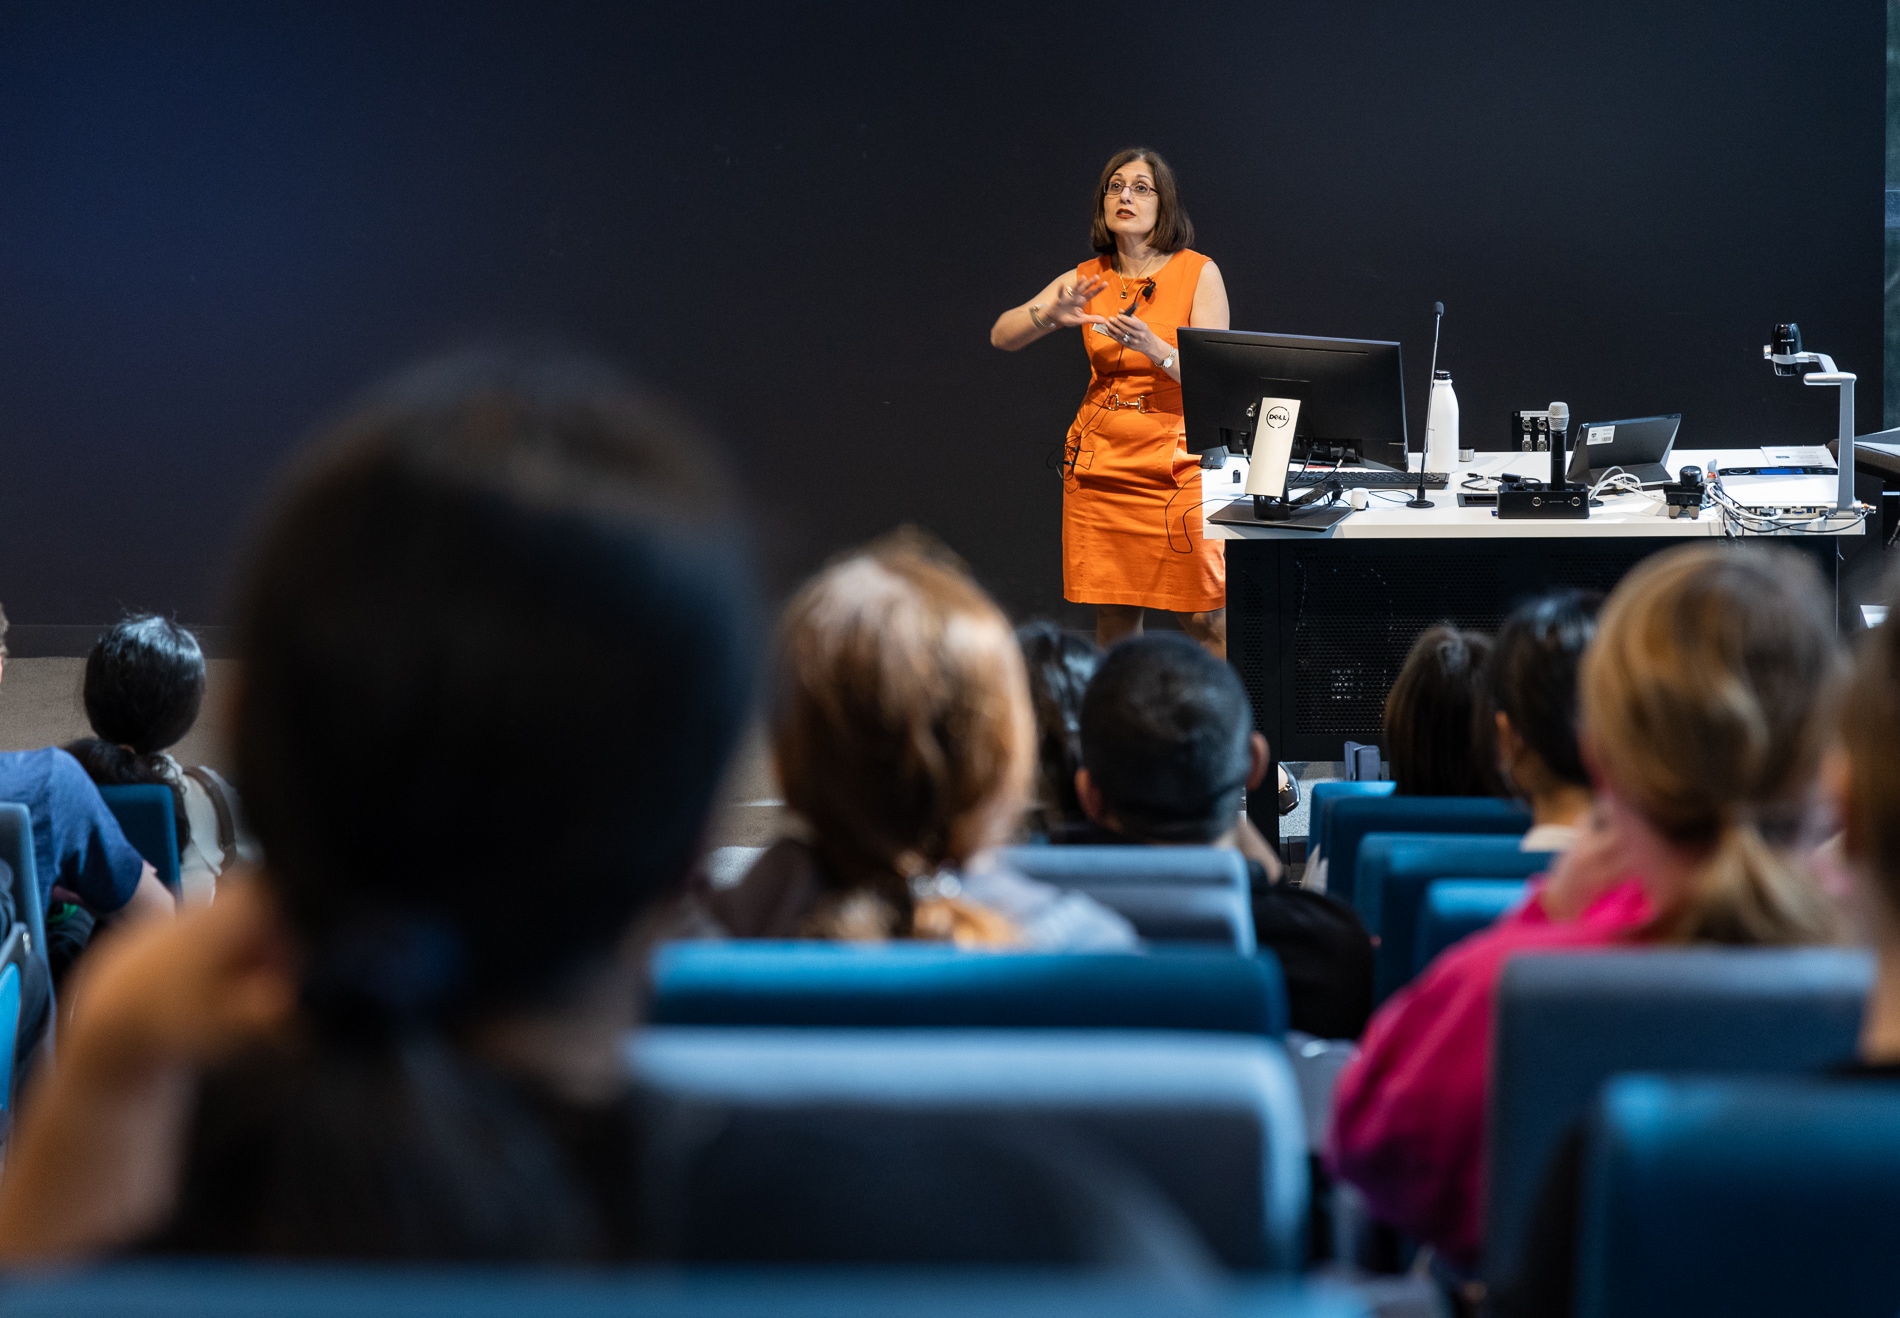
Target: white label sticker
1599,434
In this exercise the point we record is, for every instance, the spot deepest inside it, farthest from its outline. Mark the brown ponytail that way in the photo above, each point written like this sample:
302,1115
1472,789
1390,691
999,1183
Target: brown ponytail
901,724
1702,700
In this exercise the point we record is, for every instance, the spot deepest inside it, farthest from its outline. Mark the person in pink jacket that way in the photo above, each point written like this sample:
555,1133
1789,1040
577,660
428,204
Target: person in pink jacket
1700,705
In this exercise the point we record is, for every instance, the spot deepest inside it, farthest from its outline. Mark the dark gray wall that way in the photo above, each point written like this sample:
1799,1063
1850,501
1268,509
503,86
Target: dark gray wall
218,222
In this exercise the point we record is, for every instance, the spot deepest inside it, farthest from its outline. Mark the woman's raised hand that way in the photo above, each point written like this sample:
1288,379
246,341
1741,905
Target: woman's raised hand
1070,307
183,992
1133,332
1594,864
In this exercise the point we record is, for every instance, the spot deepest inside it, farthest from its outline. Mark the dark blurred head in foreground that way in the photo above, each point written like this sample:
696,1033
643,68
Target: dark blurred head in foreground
496,652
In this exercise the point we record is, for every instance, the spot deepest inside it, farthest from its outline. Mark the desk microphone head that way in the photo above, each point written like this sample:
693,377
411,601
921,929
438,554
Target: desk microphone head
1559,423
1438,308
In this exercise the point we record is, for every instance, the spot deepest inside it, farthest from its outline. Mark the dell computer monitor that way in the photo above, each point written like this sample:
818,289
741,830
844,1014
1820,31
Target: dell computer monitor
1351,392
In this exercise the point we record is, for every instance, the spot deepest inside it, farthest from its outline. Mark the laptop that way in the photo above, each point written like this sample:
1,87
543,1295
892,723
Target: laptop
1639,446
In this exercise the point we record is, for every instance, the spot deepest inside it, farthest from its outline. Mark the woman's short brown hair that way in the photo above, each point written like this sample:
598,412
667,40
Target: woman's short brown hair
1701,703
1173,229
901,724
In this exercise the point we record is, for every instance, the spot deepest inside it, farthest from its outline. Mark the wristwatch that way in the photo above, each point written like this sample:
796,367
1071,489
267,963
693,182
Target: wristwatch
1168,361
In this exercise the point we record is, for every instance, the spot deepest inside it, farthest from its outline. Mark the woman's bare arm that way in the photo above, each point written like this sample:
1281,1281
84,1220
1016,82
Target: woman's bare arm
1062,304
1210,300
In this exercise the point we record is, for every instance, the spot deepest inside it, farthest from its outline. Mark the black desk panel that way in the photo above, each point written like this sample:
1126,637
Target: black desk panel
1319,629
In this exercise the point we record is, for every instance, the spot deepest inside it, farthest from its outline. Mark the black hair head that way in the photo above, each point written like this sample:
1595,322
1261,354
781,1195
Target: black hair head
145,679
1431,717
1060,664
1166,733
497,642
1532,677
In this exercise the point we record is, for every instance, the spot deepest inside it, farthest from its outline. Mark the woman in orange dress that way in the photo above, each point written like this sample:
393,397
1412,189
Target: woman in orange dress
1131,505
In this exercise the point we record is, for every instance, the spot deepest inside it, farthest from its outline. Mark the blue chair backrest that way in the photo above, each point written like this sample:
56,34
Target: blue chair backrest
1352,817
1194,895
243,1290
913,985
1213,1121
1741,1197
12,958
1319,803
1458,908
1567,1022
1393,872
144,812
16,848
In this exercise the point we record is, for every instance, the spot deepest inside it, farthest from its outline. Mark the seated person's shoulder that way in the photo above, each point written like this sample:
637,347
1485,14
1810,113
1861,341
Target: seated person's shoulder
1047,917
771,900
90,853
26,775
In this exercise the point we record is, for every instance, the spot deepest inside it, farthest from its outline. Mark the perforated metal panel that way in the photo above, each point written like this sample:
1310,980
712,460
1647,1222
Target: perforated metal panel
1320,628
1356,618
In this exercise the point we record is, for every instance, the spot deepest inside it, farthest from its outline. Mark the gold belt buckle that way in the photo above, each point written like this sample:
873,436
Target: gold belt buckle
1138,405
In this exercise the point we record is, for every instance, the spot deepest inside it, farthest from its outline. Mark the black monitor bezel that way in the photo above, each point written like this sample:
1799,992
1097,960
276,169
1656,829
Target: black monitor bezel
1204,432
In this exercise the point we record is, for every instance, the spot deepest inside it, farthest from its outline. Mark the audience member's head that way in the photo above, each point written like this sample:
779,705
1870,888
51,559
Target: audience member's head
1531,694
496,646
1168,744
1060,664
1702,703
901,725
496,651
145,679
1431,717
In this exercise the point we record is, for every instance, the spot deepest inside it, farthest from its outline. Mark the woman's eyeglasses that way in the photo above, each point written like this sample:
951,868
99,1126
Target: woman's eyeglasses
1139,189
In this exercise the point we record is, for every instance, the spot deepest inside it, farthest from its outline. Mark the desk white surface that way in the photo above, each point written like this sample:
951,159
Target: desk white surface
1387,518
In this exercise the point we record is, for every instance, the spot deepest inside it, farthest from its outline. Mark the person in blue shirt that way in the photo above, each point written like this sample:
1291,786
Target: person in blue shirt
77,844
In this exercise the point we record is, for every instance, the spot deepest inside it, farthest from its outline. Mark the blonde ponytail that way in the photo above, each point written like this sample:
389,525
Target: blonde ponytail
1749,893
1702,702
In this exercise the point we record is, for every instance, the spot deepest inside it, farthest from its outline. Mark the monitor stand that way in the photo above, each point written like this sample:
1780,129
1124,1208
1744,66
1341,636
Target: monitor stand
1281,515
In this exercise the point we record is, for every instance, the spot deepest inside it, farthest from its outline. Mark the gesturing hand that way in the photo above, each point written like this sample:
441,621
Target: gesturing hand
1133,332
1593,864
1070,307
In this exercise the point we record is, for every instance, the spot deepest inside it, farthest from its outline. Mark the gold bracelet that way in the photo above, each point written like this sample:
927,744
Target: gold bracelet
1035,318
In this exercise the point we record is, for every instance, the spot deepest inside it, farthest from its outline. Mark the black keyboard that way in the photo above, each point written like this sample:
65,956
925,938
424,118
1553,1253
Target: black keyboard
1352,478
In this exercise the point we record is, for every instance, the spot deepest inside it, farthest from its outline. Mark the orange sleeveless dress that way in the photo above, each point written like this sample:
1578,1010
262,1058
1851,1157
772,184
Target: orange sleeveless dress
1131,492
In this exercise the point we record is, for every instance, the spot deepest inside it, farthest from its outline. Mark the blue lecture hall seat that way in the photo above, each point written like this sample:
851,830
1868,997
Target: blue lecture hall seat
145,814
242,1290
12,965
1319,799
911,985
1350,818
29,905
16,849
1392,873
1742,1197
1196,895
1212,1122
1567,1022
1457,908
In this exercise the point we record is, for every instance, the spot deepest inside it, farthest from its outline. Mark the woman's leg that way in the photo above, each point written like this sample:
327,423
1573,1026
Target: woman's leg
1209,628
1116,622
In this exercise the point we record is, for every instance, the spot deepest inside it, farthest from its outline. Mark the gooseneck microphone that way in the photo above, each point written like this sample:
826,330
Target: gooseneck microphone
1559,423
1419,500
